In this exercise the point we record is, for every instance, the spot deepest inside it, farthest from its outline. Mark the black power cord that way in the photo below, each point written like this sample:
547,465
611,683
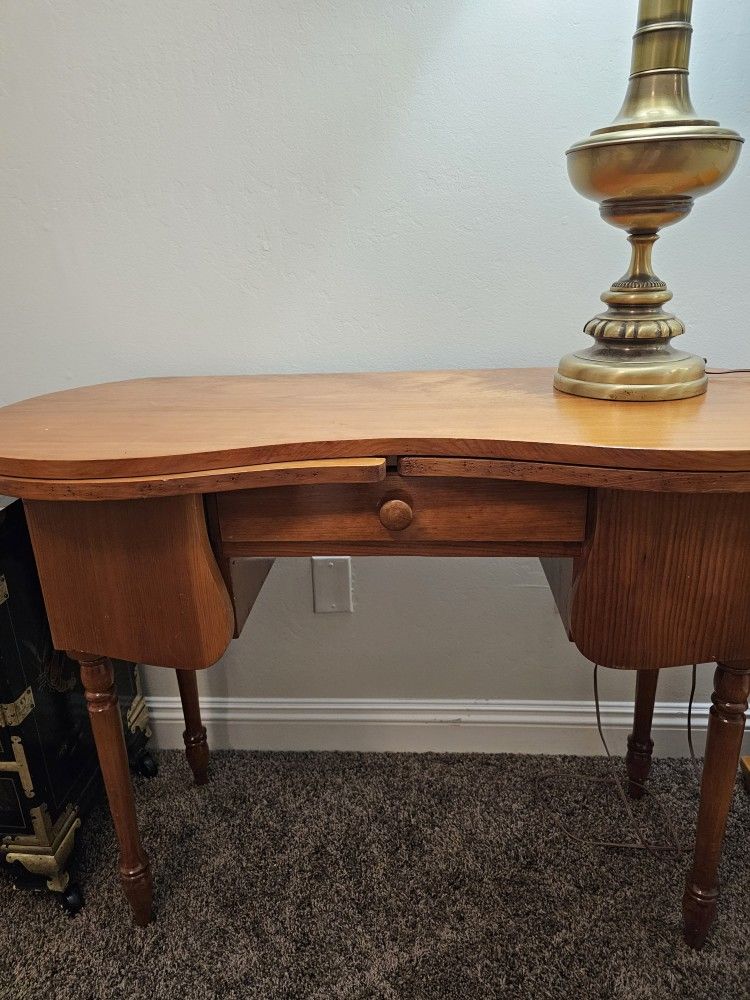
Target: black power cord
638,840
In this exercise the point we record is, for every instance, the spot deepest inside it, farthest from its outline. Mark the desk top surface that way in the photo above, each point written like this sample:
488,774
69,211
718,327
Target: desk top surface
159,426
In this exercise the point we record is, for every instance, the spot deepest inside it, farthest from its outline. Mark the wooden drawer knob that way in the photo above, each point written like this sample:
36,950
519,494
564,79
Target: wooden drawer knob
396,515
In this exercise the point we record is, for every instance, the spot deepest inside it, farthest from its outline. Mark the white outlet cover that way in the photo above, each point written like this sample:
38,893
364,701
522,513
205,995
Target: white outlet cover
332,584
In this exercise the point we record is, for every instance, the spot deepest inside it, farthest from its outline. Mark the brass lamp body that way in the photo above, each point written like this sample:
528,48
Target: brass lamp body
645,169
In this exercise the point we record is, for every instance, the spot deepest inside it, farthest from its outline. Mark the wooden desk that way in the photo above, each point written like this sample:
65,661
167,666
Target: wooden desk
142,498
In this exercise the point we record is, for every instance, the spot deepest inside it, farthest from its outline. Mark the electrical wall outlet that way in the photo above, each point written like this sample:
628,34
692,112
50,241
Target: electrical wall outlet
332,584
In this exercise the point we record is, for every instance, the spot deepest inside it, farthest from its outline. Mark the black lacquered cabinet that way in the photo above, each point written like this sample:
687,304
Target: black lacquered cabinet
49,774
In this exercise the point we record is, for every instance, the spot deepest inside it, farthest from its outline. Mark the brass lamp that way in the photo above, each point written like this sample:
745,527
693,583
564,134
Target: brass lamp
644,170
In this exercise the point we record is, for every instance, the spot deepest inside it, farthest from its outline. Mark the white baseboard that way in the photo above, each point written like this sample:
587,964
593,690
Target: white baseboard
416,725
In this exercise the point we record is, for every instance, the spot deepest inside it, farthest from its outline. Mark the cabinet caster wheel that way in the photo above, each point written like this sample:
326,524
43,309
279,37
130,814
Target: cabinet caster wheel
146,765
71,899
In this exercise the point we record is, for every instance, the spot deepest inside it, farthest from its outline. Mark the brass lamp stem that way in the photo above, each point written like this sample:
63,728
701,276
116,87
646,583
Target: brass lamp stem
658,84
645,169
640,274
635,301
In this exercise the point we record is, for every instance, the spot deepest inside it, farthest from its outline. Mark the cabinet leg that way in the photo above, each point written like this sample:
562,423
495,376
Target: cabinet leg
196,742
726,724
98,680
640,744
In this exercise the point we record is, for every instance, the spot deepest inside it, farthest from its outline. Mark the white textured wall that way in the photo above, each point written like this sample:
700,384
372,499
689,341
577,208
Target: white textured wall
192,186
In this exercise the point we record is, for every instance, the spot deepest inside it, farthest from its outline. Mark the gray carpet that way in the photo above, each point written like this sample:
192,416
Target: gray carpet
318,876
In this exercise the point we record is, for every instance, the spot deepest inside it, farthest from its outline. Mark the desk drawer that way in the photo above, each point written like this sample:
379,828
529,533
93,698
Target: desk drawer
399,514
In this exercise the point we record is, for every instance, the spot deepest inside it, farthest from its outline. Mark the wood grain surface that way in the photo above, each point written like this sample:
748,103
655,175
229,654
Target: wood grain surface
726,724
97,676
337,470
132,579
646,480
160,427
194,736
664,580
442,511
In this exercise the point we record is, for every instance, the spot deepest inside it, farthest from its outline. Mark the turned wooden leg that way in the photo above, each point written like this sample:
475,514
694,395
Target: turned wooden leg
640,744
196,742
98,680
725,727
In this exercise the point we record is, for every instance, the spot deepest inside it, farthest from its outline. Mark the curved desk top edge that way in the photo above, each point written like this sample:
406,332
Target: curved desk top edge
168,432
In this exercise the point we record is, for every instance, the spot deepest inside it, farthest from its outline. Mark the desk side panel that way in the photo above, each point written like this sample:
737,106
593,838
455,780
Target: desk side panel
132,579
559,573
665,580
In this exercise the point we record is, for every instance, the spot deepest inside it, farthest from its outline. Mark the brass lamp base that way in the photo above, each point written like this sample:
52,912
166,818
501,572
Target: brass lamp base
632,373
645,170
